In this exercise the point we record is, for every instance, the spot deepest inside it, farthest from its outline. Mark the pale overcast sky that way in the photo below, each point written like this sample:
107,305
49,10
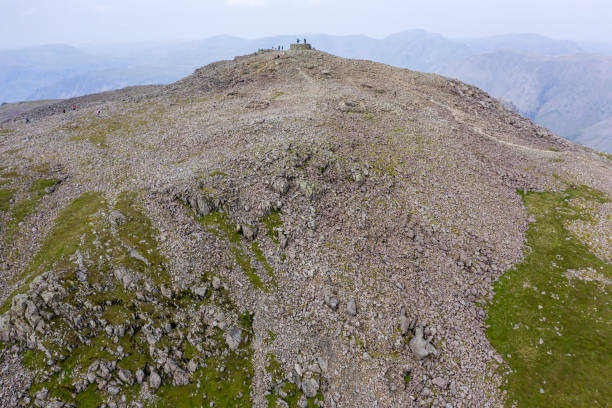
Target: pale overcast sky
33,22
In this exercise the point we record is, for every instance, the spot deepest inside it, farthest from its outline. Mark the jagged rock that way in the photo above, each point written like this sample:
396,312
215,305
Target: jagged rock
136,255
116,218
406,324
322,364
180,377
154,380
249,232
310,387
127,278
280,185
42,394
331,301
216,283
113,390
302,402
166,291
140,376
282,239
126,376
233,337
351,308
420,347
203,207
439,382
200,291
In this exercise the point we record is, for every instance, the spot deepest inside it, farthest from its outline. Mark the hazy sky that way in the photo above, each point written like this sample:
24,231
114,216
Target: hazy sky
31,22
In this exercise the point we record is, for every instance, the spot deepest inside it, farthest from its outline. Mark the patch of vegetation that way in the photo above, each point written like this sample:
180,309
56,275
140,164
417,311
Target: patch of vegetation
216,173
605,155
245,264
229,387
273,223
554,332
262,259
223,376
5,199
139,234
96,129
26,206
10,174
62,241
218,223
291,391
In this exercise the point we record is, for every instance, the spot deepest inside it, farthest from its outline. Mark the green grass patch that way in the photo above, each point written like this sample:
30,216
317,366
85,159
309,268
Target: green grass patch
554,332
5,199
62,241
226,387
219,223
262,259
272,222
26,206
292,391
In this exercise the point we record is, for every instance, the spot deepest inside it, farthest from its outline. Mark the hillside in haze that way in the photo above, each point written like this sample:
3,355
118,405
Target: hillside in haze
301,230
557,84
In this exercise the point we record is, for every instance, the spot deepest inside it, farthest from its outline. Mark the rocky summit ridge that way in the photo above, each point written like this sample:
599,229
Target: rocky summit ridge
290,230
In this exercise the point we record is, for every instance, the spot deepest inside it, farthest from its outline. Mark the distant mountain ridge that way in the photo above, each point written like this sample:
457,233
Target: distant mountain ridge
558,84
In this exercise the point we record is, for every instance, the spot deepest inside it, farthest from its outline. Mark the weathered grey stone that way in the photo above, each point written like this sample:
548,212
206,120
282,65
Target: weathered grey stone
126,376
310,387
351,307
154,380
140,375
439,382
200,291
282,239
136,255
113,389
216,283
249,232
421,347
331,301
116,218
280,185
203,206
233,337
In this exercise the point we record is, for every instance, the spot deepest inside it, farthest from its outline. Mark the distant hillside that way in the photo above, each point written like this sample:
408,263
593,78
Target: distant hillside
526,43
566,94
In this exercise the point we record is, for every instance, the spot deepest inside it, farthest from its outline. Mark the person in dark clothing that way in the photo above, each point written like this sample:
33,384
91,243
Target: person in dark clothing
298,40
27,120
305,41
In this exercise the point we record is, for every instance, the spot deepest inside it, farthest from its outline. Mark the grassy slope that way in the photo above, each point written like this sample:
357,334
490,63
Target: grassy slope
554,332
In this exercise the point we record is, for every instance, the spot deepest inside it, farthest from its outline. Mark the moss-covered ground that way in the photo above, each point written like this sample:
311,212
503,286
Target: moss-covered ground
554,332
83,228
62,241
25,206
5,199
219,223
291,392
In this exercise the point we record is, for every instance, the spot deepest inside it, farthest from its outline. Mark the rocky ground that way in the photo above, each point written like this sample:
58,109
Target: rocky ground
276,230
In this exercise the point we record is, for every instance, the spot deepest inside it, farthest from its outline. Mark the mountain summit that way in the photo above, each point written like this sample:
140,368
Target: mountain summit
297,229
